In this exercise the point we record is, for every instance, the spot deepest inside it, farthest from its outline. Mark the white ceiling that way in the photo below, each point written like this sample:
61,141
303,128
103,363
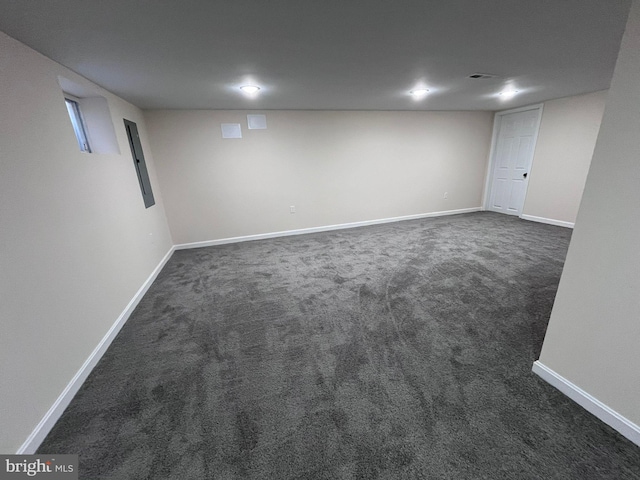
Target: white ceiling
327,54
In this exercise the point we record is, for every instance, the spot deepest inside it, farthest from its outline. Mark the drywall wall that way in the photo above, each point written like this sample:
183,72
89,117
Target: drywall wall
593,337
76,242
334,167
566,140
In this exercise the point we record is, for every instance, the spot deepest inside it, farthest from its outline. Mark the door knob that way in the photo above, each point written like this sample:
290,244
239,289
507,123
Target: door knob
524,175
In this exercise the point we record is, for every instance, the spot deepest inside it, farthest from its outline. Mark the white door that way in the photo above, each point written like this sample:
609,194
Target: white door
513,155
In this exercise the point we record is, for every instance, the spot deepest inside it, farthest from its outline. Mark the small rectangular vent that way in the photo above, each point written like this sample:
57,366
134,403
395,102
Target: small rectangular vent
482,75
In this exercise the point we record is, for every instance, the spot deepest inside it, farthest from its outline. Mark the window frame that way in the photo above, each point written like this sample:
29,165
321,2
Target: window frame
77,122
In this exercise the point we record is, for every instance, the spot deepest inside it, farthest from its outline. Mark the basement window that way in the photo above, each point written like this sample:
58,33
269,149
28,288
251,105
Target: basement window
78,124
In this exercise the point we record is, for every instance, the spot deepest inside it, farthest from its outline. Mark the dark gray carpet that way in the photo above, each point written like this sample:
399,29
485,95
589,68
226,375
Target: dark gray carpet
398,351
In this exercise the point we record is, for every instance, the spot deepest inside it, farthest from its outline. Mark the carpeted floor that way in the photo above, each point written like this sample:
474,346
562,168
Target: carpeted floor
397,351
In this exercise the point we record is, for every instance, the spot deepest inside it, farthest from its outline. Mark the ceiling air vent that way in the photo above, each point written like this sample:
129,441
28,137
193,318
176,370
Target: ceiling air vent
482,75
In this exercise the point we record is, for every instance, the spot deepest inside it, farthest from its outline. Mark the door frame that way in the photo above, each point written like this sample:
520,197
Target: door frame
497,122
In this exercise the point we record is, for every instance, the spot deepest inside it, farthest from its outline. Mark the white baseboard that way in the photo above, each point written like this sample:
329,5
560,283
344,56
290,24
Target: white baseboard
326,228
47,422
43,428
609,416
550,221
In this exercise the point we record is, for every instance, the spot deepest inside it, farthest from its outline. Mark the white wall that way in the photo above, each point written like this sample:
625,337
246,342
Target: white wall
76,242
567,137
335,167
593,339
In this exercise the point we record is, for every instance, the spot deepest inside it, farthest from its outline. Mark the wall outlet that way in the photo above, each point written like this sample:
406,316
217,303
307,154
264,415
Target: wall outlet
446,195
292,209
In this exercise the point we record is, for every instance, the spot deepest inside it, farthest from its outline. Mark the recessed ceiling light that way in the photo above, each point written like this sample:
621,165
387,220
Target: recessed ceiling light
509,93
250,89
419,92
